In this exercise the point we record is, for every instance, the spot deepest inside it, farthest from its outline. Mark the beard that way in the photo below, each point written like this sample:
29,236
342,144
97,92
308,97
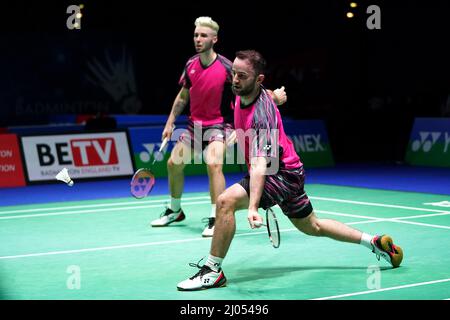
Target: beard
243,91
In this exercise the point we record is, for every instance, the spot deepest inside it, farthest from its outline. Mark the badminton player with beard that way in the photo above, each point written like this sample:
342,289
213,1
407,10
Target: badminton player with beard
206,86
276,177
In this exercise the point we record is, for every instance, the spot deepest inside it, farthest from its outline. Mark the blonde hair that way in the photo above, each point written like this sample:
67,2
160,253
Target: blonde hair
207,22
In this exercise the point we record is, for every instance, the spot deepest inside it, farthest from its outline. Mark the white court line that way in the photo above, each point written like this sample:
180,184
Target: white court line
204,202
419,224
348,215
137,245
98,205
95,210
207,197
376,204
440,212
424,216
397,220
385,289
295,229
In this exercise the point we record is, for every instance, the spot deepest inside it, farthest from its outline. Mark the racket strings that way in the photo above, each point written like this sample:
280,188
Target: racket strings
272,227
142,183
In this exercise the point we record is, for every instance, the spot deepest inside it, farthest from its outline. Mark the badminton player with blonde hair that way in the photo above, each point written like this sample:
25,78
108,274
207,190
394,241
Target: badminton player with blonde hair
206,86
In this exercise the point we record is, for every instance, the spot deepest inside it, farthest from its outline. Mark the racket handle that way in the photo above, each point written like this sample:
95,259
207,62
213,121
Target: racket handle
258,224
163,144
166,139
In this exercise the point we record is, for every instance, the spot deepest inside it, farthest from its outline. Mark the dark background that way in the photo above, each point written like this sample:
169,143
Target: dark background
367,85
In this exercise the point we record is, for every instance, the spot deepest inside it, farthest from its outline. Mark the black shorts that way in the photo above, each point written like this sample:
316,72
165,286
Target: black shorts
285,189
205,136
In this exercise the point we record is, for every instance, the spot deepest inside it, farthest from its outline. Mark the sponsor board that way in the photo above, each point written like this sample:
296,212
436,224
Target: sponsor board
429,143
85,155
146,141
311,142
11,170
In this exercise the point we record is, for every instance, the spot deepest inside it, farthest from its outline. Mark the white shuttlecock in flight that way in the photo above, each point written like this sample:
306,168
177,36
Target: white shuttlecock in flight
63,175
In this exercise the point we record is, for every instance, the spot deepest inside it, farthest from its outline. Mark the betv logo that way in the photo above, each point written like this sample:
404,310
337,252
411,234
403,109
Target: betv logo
308,142
79,152
427,141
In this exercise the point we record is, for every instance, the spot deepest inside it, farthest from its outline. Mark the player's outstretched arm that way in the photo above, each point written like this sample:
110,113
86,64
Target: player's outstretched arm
257,181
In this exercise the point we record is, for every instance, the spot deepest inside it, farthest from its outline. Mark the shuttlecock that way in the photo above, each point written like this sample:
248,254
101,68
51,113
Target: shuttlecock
63,175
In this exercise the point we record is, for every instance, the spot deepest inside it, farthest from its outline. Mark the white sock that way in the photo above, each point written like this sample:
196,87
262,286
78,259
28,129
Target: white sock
214,262
175,204
213,210
366,240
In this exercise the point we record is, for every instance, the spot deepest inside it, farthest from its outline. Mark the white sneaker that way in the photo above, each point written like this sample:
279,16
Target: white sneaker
167,217
209,229
205,278
383,246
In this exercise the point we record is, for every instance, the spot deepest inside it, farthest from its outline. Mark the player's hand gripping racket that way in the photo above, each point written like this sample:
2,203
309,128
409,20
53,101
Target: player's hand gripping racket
272,227
143,180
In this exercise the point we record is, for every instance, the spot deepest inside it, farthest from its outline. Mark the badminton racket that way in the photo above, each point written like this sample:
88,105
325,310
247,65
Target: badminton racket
143,180
272,227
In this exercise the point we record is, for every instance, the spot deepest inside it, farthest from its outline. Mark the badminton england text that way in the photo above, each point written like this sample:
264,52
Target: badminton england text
228,310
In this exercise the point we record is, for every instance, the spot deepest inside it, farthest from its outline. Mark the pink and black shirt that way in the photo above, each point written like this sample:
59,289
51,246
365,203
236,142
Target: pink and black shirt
262,115
209,90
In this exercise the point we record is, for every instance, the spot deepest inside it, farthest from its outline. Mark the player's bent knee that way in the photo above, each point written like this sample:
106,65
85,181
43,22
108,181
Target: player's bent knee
170,164
309,225
224,202
173,166
313,229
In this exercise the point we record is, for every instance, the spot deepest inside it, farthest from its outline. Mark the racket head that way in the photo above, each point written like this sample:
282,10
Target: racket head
142,183
272,228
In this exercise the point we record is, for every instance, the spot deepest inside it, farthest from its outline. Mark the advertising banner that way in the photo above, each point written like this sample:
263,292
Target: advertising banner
85,155
311,142
146,141
429,144
11,170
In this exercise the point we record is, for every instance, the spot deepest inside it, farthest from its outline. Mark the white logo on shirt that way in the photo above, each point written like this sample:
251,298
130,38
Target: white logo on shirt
192,71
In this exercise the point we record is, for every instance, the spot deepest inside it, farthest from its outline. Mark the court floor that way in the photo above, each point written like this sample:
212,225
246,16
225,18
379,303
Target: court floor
105,249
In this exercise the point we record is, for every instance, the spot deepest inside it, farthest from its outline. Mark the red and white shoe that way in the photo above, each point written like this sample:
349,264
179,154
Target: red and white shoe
383,246
167,217
205,278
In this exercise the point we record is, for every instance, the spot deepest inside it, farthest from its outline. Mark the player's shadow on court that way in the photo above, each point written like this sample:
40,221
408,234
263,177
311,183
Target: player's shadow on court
253,274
